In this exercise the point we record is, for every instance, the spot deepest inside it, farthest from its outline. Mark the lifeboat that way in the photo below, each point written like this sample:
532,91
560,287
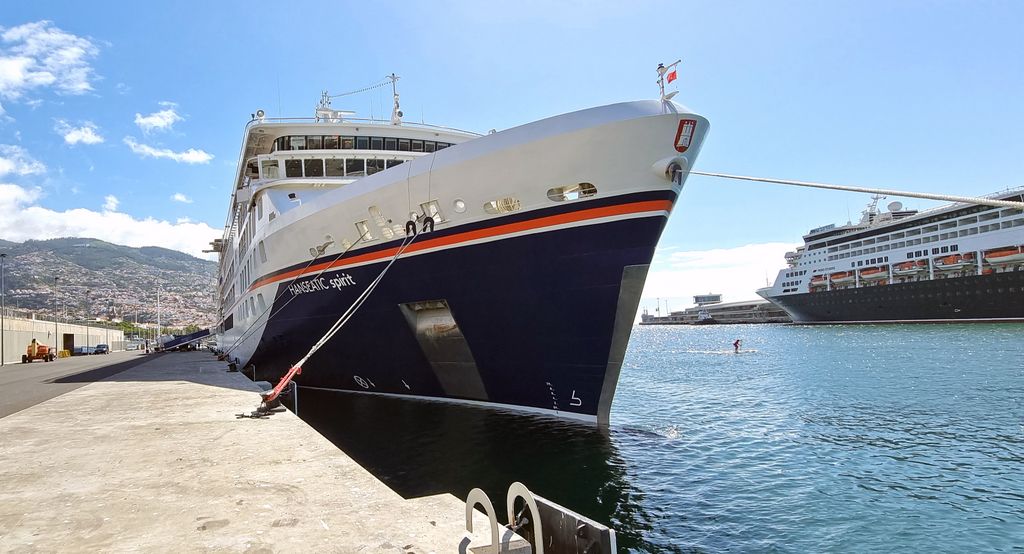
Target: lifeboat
819,281
1008,255
953,263
910,268
872,273
842,277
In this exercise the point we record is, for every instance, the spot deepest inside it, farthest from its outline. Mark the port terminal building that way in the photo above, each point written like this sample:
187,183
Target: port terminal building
709,308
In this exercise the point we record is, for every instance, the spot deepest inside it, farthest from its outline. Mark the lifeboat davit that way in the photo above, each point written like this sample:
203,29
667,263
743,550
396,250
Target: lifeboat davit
872,273
842,277
1007,255
910,268
953,263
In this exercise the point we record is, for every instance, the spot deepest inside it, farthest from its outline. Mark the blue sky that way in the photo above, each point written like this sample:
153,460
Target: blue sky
914,95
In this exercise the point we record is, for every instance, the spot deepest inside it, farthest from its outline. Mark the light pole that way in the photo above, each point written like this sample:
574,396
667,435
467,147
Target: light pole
3,308
87,329
55,278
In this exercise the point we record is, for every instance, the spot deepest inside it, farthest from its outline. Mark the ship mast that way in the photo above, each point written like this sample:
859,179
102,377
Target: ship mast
396,111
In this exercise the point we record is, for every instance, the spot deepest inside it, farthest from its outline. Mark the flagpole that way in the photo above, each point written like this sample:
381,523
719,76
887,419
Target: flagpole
662,70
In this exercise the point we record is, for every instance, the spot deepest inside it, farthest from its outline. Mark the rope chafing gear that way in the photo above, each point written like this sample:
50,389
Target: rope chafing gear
925,195
296,368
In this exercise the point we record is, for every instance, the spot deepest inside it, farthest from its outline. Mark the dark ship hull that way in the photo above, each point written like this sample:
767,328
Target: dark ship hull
992,297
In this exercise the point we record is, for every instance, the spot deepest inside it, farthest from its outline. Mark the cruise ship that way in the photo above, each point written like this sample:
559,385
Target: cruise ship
501,269
959,262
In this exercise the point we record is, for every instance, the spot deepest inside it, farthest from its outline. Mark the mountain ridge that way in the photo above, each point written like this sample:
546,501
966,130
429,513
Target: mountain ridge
95,278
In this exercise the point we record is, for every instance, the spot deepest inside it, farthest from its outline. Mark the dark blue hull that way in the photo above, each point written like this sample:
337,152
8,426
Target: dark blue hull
538,321
998,296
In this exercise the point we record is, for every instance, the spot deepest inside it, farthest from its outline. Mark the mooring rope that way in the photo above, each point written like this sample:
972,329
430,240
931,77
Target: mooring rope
283,288
296,368
926,195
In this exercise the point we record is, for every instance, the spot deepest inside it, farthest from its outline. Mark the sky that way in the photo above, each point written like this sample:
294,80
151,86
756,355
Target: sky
123,121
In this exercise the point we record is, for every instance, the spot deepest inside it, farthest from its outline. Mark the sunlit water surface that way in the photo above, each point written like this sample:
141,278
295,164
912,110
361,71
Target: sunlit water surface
832,438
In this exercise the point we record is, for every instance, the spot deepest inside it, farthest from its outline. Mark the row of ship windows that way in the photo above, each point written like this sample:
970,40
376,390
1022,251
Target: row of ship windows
941,250
331,167
942,222
796,273
504,205
335,142
872,261
942,227
933,238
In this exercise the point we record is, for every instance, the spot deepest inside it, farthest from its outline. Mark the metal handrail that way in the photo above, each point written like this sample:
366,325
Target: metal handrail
364,120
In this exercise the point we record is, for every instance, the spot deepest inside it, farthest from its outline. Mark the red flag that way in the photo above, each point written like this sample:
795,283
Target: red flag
672,76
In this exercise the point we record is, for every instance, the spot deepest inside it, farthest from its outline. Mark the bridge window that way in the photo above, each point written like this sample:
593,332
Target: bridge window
376,143
298,143
293,168
362,143
403,145
393,163
314,168
331,142
417,146
390,144
348,143
429,145
373,166
335,167
355,167
270,169
314,142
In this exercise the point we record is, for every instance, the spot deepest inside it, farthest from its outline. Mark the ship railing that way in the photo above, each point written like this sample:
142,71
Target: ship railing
363,120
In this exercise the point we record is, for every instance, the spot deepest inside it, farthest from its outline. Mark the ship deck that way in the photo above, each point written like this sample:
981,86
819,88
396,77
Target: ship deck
153,458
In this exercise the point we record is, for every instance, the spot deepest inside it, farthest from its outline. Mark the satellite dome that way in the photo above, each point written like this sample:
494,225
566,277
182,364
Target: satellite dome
895,206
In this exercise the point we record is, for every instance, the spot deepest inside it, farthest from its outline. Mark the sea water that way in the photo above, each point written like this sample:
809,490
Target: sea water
823,438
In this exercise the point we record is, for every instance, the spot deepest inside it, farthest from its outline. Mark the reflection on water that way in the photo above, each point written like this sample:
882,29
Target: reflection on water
421,448
838,439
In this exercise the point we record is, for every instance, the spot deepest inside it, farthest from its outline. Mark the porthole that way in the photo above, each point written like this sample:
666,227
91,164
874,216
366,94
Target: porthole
459,205
572,192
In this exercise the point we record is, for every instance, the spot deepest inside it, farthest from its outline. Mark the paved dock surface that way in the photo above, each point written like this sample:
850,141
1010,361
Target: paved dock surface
153,459
25,385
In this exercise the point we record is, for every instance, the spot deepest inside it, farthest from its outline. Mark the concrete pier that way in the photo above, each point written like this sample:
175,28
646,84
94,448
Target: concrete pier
153,459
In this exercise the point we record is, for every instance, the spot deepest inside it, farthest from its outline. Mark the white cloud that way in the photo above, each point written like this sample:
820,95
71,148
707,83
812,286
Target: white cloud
179,197
41,55
24,219
16,160
190,156
735,272
87,133
162,120
110,203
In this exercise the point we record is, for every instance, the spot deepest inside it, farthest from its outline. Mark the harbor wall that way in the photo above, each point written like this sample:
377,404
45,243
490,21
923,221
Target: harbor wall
18,332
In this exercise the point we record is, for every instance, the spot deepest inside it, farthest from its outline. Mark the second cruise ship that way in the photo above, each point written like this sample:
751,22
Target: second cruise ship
959,262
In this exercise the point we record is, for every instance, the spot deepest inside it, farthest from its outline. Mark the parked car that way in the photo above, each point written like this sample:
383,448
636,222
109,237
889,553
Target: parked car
83,350
102,349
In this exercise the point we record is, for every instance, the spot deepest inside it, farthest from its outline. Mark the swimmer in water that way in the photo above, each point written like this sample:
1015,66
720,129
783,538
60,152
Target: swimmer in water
736,346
